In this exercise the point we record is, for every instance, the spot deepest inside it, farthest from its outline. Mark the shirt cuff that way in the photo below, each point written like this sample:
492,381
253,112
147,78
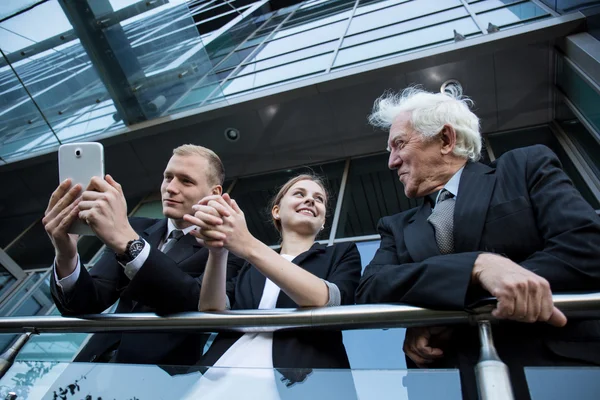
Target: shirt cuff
335,297
67,283
133,266
227,303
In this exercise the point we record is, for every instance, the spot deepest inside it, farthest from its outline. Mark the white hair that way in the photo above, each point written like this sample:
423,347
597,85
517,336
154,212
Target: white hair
429,112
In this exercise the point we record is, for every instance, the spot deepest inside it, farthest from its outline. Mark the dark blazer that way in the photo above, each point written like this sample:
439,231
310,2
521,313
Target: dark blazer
297,353
166,283
524,207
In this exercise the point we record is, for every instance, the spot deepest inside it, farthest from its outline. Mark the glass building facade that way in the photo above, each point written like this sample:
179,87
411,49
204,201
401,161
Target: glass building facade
296,80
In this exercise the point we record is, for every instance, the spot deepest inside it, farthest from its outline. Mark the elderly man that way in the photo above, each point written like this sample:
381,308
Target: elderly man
517,230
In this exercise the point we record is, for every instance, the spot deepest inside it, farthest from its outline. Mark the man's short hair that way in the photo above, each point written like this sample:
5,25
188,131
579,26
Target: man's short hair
216,175
429,112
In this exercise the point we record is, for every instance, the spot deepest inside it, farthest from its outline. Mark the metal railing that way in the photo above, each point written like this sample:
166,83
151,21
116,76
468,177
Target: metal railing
492,375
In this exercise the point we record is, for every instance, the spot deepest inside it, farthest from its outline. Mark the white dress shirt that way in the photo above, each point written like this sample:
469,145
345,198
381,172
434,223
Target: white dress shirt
246,365
452,184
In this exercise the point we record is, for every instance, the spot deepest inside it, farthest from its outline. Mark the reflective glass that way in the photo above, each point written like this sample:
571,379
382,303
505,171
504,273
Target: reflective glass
439,34
581,383
399,12
6,280
410,25
321,49
512,14
479,6
253,195
24,302
372,191
41,379
23,127
309,38
504,142
33,250
586,142
581,94
278,74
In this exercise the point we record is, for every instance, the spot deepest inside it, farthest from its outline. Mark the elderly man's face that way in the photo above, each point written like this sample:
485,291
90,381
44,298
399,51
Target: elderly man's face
419,163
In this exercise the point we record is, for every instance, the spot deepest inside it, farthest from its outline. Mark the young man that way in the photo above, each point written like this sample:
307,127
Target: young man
149,265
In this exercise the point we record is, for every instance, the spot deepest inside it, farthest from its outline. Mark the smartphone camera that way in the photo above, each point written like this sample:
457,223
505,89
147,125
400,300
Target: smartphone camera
78,153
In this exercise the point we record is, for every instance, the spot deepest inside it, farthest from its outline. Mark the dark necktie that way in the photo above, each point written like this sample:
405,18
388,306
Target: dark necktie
172,239
442,219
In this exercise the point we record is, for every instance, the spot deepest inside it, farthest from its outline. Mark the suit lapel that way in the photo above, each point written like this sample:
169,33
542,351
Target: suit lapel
186,247
257,286
155,233
474,193
183,249
419,235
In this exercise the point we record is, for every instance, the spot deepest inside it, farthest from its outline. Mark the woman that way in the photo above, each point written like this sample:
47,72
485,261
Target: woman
304,274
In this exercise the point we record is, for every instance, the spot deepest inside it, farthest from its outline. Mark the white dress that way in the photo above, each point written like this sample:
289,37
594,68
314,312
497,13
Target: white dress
246,369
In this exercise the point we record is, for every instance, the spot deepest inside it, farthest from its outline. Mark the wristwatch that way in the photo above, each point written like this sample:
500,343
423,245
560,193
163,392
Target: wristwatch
132,250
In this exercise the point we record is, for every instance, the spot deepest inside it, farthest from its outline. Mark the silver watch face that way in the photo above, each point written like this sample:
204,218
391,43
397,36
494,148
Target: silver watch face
136,248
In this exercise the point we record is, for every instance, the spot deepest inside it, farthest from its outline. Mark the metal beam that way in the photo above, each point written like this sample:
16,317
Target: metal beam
375,316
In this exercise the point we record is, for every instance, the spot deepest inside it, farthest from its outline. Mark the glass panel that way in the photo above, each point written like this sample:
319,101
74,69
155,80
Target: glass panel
12,227
585,98
36,380
480,6
581,383
309,38
254,194
417,23
400,12
437,34
504,142
52,347
289,57
373,191
58,73
17,306
511,15
282,73
23,127
6,280
587,143
33,250
385,346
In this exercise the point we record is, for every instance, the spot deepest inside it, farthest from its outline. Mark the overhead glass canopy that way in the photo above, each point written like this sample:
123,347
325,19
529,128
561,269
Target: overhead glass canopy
102,65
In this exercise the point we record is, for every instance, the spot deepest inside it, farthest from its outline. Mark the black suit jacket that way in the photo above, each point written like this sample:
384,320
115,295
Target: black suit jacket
296,353
524,207
166,283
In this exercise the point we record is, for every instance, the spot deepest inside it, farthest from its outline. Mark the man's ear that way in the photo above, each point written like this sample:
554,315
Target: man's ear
218,189
448,137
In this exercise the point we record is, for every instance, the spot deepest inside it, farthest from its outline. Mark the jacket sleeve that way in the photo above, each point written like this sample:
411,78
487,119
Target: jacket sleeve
162,285
345,274
568,225
95,290
440,282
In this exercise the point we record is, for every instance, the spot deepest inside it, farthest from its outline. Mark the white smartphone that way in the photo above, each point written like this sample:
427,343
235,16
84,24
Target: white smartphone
80,162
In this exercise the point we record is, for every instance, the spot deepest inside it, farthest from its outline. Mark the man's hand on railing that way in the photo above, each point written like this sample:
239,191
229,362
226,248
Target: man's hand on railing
522,295
424,345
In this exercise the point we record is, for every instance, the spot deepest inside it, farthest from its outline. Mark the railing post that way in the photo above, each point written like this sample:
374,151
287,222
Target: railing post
493,380
7,358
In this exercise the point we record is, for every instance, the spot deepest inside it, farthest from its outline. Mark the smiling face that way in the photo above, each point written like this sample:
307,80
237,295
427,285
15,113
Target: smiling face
302,208
185,183
419,162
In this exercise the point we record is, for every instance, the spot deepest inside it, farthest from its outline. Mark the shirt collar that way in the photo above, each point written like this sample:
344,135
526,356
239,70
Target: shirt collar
452,184
171,227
